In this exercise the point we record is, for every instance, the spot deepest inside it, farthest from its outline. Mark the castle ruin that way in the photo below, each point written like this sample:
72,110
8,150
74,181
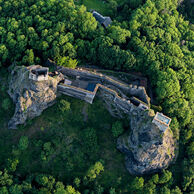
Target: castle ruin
162,121
39,74
84,84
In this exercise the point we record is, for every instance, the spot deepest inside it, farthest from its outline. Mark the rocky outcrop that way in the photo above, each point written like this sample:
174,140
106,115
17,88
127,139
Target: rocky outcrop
146,147
31,97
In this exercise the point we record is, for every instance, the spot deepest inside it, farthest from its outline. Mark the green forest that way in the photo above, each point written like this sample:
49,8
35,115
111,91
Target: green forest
58,152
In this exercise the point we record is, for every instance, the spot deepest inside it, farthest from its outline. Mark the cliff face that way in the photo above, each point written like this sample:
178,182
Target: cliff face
31,97
147,149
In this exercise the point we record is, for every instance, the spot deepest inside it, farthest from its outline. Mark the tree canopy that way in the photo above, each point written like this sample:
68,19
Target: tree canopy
149,36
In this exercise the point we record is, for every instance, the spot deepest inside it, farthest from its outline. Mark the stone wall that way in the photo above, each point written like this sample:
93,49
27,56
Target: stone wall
132,90
38,78
35,77
121,104
76,92
117,106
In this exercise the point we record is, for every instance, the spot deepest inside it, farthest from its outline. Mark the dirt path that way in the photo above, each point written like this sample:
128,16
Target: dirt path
85,112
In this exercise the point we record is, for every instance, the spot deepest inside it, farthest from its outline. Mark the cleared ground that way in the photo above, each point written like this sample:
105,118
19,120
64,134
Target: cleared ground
98,5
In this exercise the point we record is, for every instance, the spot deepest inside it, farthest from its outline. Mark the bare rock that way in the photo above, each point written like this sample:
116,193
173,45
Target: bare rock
147,149
31,97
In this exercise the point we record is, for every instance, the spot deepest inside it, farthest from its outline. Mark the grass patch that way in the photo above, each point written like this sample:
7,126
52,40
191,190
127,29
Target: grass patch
98,5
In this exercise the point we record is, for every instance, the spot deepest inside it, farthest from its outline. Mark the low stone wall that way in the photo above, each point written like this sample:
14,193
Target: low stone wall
132,90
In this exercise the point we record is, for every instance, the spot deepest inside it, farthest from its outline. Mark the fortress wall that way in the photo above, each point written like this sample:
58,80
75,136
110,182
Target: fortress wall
76,93
123,104
82,94
132,90
120,103
107,94
111,98
139,92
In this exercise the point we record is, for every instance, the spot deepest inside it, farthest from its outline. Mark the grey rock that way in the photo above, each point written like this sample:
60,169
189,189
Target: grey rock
31,97
146,147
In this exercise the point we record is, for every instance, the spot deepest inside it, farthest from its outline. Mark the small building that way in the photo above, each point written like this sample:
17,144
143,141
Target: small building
137,102
39,74
67,82
161,121
104,21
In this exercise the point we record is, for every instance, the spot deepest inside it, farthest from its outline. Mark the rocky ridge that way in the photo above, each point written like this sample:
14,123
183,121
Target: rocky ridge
30,97
147,149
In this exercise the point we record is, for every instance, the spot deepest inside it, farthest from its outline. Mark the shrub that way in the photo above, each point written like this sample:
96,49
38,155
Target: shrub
48,150
77,182
6,104
117,129
23,143
12,164
95,170
156,108
137,183
165,177
67,62
42,180
90,141
64,106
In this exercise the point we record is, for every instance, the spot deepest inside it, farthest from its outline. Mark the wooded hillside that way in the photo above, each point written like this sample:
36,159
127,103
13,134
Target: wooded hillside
148,36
